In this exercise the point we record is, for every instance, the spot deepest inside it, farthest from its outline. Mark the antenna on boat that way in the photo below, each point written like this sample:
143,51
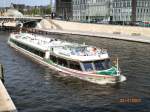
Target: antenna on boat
117,67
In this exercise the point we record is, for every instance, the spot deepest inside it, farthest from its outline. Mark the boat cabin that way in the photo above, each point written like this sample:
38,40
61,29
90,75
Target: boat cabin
87,66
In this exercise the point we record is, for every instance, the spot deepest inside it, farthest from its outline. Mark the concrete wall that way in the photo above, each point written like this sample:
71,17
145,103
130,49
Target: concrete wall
100,28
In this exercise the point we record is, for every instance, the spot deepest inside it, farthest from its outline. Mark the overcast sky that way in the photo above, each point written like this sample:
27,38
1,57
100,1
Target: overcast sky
4,3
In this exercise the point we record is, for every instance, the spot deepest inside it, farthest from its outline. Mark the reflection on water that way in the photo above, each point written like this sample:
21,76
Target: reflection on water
35,88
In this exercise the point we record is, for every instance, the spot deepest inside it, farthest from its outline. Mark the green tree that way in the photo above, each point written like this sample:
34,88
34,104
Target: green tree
48,9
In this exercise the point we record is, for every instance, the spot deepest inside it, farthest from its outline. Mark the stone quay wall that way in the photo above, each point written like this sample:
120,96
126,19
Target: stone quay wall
99,28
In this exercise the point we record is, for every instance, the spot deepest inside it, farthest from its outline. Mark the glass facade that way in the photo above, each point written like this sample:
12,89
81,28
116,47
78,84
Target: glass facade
143,10
131,10
91,10
124,11
64,9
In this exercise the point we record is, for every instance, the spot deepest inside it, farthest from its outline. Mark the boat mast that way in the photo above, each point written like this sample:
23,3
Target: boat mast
117,67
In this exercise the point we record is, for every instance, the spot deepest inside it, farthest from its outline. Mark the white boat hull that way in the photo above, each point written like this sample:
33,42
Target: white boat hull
63,71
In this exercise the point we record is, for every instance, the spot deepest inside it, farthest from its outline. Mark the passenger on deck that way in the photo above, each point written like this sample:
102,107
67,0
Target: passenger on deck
51,40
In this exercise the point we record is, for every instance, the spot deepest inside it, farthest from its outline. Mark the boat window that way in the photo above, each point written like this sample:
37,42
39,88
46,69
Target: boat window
62,62
53,58
102,64
107,64
88,66
74,65
42,54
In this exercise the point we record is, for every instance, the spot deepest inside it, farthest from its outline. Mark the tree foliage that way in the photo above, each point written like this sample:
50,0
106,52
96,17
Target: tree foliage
38,10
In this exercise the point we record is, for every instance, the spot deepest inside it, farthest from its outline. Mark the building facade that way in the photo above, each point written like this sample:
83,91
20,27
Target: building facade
143,10
64,9
127,11
91,10
53,6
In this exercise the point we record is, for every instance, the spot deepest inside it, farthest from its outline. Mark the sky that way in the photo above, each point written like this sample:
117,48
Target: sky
4,3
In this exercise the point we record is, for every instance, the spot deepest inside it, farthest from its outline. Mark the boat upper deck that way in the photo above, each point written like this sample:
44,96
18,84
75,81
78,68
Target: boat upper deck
61,48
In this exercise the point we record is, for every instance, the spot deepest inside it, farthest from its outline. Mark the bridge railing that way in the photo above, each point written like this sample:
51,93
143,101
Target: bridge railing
23,17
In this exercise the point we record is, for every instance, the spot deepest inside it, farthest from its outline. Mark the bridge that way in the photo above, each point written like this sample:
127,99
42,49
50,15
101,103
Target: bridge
24,18
26,21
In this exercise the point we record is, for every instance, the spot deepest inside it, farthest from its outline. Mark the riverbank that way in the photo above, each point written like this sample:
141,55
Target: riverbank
6,103
100,28
128,33
136,38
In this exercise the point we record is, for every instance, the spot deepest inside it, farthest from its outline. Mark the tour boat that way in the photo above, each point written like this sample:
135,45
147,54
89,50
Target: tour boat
82,61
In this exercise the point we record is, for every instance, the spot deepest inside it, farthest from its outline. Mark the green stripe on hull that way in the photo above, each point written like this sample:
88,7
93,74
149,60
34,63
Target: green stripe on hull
49,61
112,71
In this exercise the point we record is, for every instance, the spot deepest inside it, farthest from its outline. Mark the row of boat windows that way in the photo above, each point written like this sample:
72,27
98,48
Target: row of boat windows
65,63
97,65
28,48
87,66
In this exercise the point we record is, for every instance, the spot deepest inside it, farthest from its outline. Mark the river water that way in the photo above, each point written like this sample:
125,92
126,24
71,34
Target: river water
33,88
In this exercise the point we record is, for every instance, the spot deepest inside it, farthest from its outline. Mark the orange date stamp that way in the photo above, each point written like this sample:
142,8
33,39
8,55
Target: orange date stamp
130,100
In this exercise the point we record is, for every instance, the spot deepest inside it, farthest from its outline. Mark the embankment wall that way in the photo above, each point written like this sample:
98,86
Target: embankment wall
101,28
